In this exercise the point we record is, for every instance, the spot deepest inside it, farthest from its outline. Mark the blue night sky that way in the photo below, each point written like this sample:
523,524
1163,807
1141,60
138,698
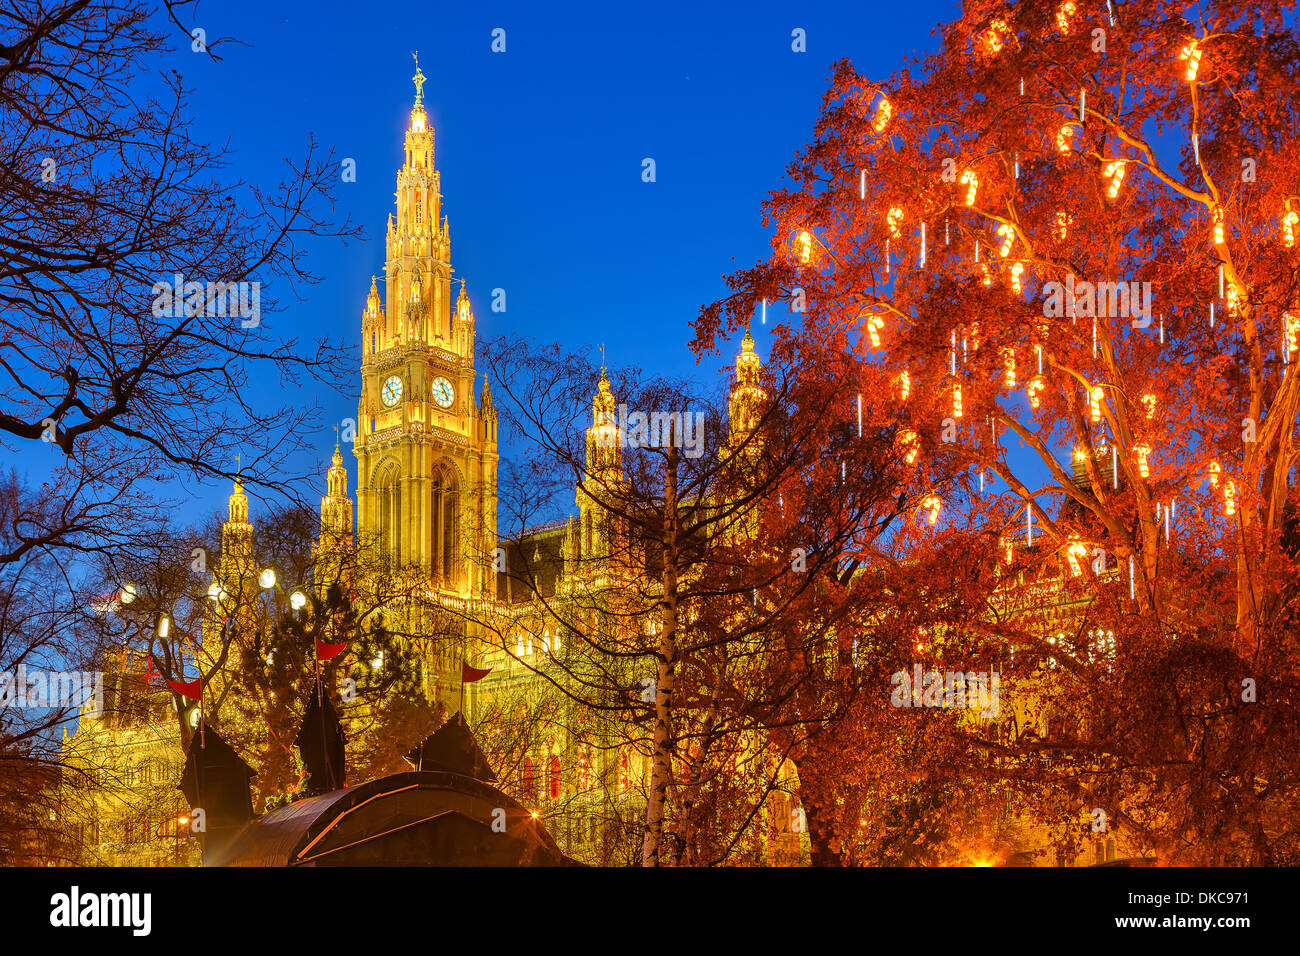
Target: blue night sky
540,150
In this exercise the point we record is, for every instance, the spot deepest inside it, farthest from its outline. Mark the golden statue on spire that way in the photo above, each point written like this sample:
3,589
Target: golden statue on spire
419,80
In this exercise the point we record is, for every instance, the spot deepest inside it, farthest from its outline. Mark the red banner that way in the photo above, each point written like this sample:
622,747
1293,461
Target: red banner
192,689
325,652
469,675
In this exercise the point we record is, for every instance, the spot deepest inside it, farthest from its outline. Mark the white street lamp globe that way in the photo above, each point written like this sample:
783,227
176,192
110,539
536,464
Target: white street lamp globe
267,579
128,593
297,600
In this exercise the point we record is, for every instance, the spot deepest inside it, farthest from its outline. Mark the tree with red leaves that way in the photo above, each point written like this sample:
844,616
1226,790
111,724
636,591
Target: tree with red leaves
1063,252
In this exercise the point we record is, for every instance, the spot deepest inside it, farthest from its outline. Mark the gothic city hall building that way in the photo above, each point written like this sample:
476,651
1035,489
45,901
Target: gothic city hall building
424,561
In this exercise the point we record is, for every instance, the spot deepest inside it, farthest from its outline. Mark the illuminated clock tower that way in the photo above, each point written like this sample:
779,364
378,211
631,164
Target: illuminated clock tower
426,448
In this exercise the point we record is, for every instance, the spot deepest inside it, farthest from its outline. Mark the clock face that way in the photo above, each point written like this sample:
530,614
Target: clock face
443,393
391,393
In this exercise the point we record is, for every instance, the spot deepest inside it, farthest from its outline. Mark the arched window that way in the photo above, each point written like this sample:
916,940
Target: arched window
530,793
444,526
390,515
553,783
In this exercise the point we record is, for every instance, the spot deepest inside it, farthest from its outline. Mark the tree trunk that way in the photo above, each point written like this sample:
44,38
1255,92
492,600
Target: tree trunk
661,760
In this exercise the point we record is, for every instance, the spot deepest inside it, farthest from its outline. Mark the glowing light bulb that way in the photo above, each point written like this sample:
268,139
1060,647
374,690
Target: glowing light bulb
1289,221
988,276
1191,54
1234,299
1094,404
1076,550
1009,363
1218,227
956,401
972,186
1150,401
874,324
1064,14
911,443
894,218
1291,324
1032,389
1008,235
805,246
996,36
1114,171
883,112
1230,498
1063,224
1215,471
1065,138
935,505
904,386
1016,270
1143,452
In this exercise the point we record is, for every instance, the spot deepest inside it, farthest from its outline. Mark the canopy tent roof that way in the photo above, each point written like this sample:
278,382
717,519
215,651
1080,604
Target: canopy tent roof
446,813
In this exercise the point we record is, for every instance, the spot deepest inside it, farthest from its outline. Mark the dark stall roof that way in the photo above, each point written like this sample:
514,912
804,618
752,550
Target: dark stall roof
379,822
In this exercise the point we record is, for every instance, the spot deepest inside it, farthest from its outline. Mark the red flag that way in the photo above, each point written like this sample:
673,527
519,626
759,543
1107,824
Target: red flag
325,652
192,689
469,675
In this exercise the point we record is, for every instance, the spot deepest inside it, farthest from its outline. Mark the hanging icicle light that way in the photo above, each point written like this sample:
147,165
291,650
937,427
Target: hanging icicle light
1009,363
874,324
805,246
1064,14
1016,270
934,505
911,444
894,218
972,185
1008,236
1289,221
1094,404
1114,172
1065,138
1191,55
883,112
1143,453
904,385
